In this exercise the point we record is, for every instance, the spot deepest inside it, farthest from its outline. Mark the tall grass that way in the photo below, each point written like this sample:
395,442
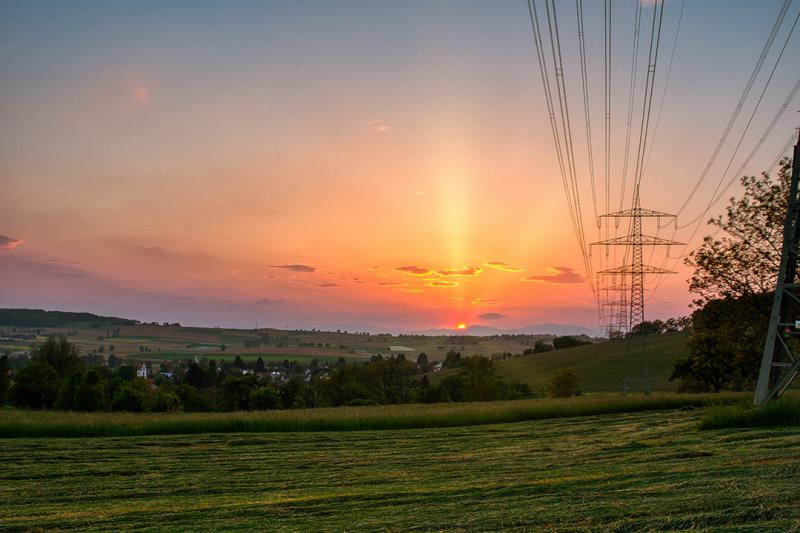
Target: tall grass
16,423
783,412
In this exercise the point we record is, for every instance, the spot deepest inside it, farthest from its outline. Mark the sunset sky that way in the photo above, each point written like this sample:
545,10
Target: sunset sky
343,164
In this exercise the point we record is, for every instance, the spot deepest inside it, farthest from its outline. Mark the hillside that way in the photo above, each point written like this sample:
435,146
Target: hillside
39,318
600,367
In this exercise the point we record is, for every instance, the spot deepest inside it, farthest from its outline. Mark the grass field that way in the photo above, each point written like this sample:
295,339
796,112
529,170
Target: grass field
600,367
617,472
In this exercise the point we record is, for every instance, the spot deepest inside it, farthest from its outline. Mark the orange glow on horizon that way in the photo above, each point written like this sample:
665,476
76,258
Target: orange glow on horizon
461,325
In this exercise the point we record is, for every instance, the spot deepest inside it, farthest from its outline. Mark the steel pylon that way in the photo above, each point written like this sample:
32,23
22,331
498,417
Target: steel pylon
636,371
780,363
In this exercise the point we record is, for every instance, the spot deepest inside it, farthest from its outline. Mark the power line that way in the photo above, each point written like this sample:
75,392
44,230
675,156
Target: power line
781,153
655,40
543,71
584,83
565,154
715,196
666,80
631,93
748,86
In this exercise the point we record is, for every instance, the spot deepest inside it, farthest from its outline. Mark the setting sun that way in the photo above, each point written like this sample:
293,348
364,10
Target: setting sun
461,325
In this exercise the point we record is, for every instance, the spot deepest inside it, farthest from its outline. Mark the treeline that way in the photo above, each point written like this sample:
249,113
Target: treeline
57,377
39,318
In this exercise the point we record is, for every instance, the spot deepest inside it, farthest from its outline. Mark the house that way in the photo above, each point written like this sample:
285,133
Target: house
142,372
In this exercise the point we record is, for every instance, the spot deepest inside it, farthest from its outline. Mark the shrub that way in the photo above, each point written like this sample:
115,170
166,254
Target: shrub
36,385
166,401
265,398
131,396
782,412
564,384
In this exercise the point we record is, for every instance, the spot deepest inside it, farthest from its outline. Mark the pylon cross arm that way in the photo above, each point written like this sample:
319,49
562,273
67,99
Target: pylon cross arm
646,240
638,212
645,269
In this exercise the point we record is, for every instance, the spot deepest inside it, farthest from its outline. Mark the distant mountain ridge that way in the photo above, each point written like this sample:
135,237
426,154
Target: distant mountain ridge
39,318
533,329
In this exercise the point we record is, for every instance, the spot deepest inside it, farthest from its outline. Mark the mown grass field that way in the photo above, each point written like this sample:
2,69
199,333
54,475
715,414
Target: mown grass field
599,367
616,472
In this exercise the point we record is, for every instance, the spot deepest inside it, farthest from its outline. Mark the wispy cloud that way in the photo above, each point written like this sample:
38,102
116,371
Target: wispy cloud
482,302
558,274
415,270
492,316
328,285
269,301
9,243
378,126
440,284
418,193
505,267
296,267
46,267
460,272
407,288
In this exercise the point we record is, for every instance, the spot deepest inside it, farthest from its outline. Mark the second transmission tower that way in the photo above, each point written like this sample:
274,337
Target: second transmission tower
636,371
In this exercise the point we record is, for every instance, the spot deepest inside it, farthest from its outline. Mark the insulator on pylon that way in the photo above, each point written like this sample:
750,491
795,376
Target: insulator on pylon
590,251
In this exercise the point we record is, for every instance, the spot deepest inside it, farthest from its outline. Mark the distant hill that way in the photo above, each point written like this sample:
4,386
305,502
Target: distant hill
533,329
600,366
39,318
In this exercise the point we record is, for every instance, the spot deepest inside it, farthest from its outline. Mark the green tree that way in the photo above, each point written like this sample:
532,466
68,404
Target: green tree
479,378
422,362
726,344
60,354
195,376
5,379
36,385
452,359
541,347
265,398
259,365
165,400
567,341
563,384
236,392
744,258
92,392
132,396
734,274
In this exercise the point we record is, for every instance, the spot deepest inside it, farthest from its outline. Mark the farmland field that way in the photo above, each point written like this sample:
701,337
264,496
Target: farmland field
629,471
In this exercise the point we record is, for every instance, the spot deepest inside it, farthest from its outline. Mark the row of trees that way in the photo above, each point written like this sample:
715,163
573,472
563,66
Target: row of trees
58,377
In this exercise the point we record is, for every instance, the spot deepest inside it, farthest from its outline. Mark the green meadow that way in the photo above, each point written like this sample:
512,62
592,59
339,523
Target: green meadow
601,366
622,471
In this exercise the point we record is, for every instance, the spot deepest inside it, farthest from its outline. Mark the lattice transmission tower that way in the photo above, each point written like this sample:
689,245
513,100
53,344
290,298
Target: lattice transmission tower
780,363
636,371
